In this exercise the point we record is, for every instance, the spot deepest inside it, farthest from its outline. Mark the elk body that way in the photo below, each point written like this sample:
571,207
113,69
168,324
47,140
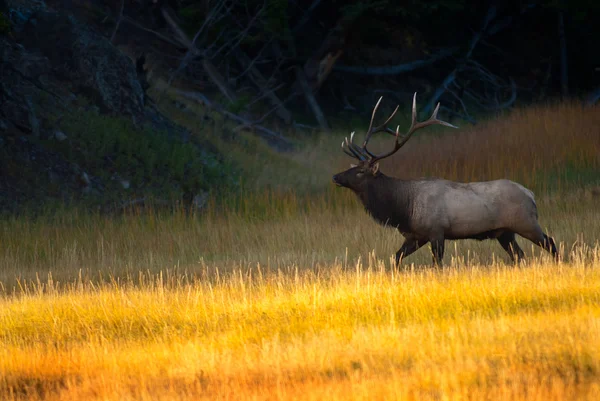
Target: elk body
434,210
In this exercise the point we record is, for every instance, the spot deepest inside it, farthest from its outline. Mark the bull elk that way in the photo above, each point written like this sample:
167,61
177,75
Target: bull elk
432,210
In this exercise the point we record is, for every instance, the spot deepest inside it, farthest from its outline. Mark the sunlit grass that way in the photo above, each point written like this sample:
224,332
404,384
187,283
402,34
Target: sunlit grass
273,230
283,289
352,331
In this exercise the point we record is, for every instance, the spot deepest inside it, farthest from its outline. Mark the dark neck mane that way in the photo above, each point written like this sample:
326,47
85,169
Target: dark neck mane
388,201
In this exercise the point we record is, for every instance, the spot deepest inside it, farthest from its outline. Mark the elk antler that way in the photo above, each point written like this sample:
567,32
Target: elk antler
363,154
355,151
415,125
381,128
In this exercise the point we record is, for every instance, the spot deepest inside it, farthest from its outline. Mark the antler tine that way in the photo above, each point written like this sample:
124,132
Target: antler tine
414,126
373,117
383,127
379,128
389,119
346,152
365,155
414,111
356,149
434,118
352,148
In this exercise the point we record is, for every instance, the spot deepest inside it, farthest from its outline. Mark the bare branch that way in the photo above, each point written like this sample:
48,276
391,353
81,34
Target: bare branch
208,20
306,16
268,113
193,51
240,36
491,13
310,98
157,34
119,18
200,98
440,91
464,107
347,105
397,69
250,63
218,79
181,35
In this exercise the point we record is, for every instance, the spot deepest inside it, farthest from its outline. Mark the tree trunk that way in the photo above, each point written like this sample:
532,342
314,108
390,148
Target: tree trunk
217,79
396,69
208,66
310,98
266,133
262,84
320,64
119,18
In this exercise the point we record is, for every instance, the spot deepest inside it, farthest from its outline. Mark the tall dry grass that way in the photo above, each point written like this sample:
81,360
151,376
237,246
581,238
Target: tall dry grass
277,233
342,332
550,148
280,291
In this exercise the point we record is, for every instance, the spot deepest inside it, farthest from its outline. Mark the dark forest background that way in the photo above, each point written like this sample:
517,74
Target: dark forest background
84,83
474,56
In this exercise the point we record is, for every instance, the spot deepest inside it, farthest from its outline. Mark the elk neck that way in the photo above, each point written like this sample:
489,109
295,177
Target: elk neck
389,201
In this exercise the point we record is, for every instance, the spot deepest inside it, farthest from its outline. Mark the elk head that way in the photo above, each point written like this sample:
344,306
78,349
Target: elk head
358,175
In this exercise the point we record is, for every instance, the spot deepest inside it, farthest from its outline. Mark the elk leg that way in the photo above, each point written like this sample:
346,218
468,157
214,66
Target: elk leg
437,249
409,246
538,237
509,243
550,246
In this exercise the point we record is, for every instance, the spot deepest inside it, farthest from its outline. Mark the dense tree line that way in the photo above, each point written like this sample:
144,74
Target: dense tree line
267,60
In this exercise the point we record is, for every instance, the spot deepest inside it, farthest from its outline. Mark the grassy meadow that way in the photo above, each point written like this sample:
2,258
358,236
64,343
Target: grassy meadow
283,290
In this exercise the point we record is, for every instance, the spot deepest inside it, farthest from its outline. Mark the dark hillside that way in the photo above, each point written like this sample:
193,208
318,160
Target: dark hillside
95,94
75,123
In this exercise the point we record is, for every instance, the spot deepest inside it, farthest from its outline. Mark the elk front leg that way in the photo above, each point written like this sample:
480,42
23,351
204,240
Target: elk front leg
409,246
437,249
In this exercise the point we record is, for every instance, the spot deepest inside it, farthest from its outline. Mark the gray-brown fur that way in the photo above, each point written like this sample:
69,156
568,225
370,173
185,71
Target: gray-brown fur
434,210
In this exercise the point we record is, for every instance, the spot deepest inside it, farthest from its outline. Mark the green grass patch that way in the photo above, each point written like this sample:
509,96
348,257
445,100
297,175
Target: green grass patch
154,162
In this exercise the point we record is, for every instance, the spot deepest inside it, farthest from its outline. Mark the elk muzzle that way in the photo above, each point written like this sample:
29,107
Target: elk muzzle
336,181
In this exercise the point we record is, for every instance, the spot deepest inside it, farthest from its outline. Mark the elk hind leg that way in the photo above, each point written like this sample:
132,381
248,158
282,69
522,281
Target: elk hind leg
550,246
538,237
509,243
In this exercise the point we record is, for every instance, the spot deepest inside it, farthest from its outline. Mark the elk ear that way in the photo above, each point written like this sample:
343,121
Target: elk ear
375,168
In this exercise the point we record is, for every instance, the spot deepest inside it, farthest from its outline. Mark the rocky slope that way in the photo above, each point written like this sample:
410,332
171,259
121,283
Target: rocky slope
58,77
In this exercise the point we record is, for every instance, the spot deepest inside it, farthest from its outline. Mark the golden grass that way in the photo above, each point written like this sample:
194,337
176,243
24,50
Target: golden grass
548,148
274,230
345,332
282,293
